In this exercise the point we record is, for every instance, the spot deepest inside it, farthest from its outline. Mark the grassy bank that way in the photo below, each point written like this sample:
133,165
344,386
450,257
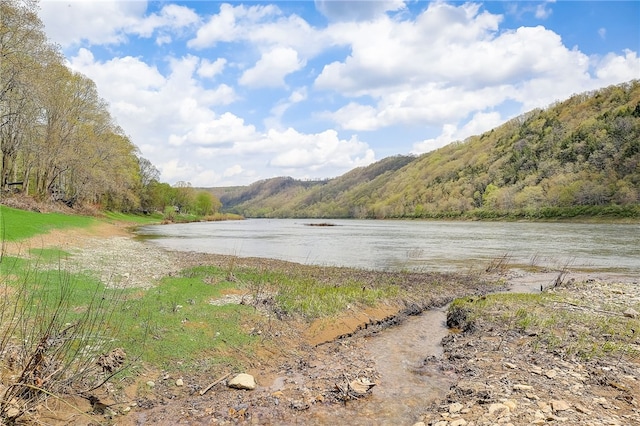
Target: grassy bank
571,320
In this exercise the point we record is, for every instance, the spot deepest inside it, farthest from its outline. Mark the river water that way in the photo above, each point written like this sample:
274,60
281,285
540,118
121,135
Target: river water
411,245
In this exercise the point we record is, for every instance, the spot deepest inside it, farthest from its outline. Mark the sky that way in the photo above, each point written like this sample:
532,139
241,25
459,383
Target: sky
229,93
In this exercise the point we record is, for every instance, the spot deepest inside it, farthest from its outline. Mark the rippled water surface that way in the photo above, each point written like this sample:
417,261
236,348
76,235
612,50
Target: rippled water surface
410,245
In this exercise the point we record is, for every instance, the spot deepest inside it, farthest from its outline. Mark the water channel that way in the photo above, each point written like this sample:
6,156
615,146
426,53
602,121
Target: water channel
405,387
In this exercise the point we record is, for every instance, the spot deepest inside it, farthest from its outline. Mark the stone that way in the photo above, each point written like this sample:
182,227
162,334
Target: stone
243,381
455,407
581,409
151,383
559,405
510,365
179,382
522,387
551,373
420,424
458,422
361,385
511,404
498,409
631,313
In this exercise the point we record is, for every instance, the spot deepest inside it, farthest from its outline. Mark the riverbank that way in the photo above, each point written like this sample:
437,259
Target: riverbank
302,364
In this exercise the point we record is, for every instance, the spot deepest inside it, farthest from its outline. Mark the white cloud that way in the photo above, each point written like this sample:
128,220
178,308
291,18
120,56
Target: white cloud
98,22
542,11
210,69
468,66
111,22
234,170
481,122
318,152
274,120
602,32
231,23
272,68
354,10
614,68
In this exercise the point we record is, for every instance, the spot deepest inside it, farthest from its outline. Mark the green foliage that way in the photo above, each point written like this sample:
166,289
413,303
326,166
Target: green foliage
580,157
19,224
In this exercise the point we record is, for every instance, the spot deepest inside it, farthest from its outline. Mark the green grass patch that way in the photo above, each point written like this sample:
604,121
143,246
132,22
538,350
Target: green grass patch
20,224
179,324
557,322
134,218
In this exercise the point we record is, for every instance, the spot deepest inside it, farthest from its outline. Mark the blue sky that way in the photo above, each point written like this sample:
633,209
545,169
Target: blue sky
228,93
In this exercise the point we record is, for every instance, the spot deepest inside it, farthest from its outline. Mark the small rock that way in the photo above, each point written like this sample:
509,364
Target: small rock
151,383
559,405
243,381
510,365
498,409
581,409
631,313
179,382
551,373
511,404
458,422
420,424
455,407
361,385
522,387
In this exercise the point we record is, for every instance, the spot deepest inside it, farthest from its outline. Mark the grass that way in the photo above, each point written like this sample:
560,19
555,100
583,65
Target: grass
558,322
181,323
134,218
19,224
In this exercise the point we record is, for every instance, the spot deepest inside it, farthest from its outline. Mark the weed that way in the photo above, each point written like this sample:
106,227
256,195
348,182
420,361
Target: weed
55,338
499,264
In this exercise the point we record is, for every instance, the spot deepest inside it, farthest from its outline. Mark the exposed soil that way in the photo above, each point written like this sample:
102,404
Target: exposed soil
306,368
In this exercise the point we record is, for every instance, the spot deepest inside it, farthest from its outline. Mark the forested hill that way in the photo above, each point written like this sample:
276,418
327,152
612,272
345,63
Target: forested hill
577,157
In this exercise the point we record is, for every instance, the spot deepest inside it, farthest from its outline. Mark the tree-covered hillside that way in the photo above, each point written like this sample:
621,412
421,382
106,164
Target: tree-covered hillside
577,157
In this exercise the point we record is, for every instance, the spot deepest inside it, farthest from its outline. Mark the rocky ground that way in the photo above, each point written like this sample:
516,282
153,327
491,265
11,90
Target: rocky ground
494,374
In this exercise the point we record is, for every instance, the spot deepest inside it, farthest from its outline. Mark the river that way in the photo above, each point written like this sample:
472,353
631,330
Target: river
395,245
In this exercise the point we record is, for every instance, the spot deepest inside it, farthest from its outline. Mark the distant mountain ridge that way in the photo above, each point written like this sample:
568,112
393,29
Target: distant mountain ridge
576,157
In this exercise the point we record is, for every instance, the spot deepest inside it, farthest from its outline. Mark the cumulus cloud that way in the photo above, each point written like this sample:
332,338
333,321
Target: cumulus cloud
272,68
614,68
100,22
112,22
320,151
231,23
356,10
481,122
468,66
210,69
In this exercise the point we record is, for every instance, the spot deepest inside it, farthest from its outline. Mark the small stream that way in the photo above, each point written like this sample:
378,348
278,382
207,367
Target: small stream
405,387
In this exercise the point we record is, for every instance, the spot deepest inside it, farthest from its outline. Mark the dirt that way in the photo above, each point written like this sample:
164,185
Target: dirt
305,368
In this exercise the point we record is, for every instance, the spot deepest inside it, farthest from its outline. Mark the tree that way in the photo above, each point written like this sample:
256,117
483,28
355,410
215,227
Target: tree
206,203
